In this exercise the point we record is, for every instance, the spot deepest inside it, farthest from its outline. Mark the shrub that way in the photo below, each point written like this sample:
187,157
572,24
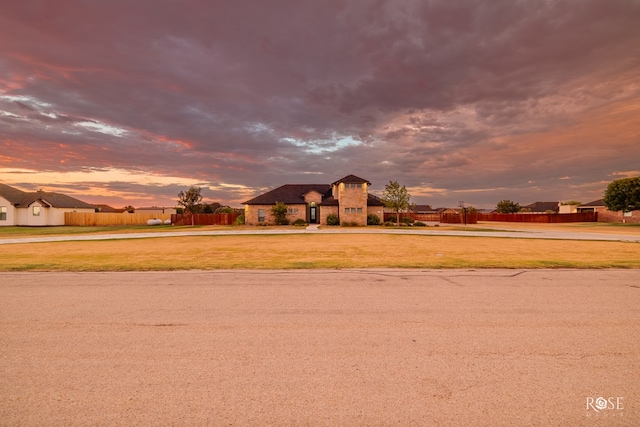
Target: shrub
349,224
419,224
332,219
373,219
239,220
389,224
224,210
407,220
279,212
300,222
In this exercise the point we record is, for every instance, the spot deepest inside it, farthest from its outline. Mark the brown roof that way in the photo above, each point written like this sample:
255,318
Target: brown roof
374,201
289,194
108,209
292,194
599,202
13,195
423,208
543,206
20,198
352,179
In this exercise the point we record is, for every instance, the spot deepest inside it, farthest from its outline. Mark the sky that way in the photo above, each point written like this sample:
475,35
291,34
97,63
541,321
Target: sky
130,102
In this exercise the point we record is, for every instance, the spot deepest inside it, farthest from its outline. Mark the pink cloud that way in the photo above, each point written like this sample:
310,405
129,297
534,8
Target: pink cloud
259,94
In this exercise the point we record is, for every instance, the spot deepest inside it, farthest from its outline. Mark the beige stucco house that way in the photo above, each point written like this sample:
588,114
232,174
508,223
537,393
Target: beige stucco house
39,208
348,198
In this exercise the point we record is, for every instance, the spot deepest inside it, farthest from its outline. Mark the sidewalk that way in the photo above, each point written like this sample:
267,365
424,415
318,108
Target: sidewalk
315,228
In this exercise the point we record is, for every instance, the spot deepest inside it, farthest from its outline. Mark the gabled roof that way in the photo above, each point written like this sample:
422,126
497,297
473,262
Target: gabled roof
423,208
13,195
352,179
543,206
374,200
289,194
441,210
107,209
599,202
330,201
22,199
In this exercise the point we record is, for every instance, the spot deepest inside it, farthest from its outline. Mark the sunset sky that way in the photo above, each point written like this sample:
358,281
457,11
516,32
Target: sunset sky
129,102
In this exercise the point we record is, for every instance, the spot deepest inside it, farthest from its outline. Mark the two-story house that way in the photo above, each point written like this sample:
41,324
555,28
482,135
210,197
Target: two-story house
348,199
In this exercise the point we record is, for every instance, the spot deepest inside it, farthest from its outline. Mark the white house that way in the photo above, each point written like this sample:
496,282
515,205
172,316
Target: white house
39,208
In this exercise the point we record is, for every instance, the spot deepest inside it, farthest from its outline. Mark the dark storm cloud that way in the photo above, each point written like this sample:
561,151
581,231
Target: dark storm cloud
446,97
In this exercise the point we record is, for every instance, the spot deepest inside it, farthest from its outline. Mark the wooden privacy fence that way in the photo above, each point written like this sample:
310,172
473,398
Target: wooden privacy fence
541,218
459,218
91,219
204,219
391,216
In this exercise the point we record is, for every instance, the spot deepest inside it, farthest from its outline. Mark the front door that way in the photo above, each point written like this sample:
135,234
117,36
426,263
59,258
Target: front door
313,215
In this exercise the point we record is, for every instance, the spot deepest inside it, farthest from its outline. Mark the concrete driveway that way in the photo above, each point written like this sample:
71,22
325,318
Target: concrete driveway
321,347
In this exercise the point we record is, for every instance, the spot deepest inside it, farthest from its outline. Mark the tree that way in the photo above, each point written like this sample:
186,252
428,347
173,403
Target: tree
279,212
129,209
190,200
396,198
507,206
225,210
623,194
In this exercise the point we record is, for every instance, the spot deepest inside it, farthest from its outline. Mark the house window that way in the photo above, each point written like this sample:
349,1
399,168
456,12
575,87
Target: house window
3,213
346,210
36,211
359,210
260,215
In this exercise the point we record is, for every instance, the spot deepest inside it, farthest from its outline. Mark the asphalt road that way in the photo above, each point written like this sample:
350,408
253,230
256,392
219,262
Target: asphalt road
321,347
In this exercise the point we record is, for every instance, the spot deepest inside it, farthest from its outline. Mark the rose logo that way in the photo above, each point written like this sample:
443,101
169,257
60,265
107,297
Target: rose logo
601,403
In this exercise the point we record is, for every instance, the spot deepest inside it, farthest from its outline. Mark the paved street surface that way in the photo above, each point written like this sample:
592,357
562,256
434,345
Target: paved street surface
322,347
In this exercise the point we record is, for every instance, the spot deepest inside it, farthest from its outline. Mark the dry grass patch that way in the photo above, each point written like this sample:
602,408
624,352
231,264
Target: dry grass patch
316,251
580,227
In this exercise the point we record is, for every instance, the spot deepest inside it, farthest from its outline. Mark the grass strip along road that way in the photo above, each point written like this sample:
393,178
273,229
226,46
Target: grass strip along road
338,250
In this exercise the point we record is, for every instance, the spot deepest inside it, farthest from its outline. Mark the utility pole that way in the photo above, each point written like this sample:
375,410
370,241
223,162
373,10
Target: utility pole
464,211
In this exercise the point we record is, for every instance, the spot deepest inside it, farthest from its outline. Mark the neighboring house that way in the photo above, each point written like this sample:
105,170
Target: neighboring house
446,211
605,215
543,207
348,198
595,206
156,210
39,208
108,209
215,206
423,209
568,208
